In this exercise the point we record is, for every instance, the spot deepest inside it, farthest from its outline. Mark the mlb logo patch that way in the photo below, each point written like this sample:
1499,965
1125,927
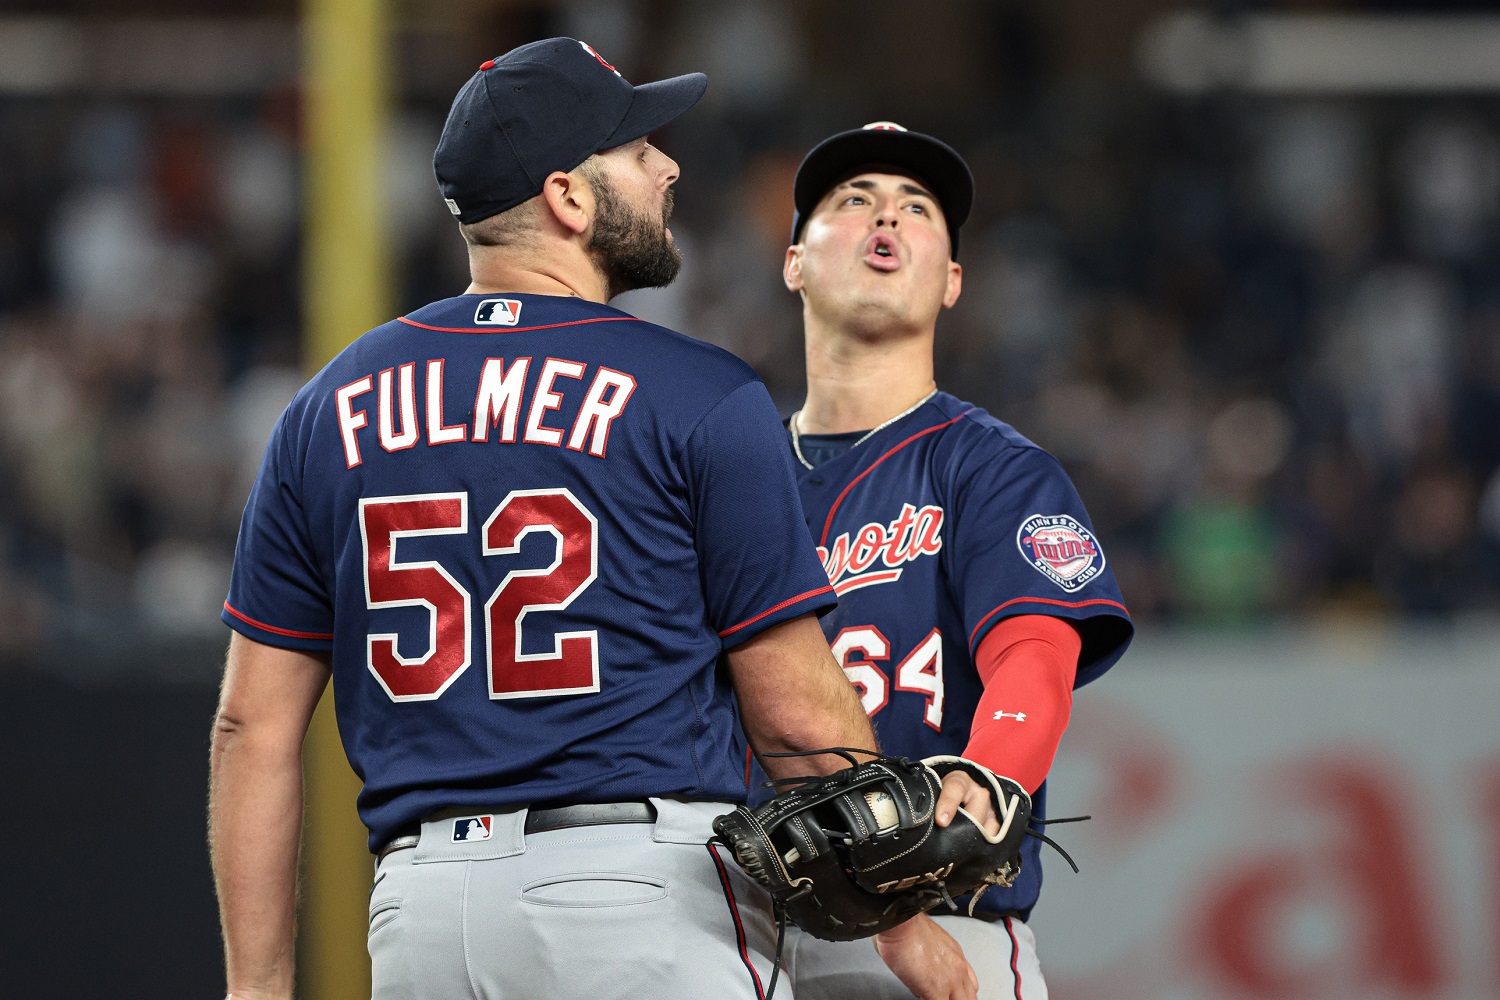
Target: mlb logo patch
1061,549
472,828
498,312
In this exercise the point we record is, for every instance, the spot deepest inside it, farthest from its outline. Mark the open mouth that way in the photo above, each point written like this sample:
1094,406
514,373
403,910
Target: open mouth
881,252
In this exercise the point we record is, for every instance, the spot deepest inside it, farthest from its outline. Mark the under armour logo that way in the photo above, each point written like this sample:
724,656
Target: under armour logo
1018,716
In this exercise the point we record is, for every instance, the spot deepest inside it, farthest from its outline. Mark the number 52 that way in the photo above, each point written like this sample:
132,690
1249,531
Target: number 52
572,665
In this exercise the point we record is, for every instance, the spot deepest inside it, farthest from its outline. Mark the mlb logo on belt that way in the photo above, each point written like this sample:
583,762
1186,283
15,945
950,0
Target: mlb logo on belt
498,312
1061,549
471,828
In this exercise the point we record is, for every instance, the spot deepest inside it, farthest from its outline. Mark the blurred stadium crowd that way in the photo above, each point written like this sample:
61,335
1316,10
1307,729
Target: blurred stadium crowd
1262,334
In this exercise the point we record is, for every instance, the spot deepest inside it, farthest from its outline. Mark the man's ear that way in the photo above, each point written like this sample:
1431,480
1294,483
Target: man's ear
955,284
569,199
791,268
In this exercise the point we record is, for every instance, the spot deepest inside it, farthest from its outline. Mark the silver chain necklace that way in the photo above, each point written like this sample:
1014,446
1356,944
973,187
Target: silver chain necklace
797,436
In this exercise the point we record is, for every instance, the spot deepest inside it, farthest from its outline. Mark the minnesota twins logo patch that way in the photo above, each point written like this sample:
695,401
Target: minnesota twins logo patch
1061,549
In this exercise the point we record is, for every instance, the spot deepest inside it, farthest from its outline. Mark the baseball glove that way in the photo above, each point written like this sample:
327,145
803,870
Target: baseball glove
857,852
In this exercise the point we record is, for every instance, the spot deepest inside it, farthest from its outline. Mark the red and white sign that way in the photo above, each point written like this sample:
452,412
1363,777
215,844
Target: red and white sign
1280,820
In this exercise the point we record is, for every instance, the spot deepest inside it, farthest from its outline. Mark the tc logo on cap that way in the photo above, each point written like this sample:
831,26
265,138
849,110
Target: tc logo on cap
590,50
884,127
498,312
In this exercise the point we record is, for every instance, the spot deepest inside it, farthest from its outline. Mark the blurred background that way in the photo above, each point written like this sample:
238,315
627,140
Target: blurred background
1236,264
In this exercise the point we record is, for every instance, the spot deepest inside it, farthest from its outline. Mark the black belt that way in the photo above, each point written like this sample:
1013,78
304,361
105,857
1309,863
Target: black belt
589,814
556,818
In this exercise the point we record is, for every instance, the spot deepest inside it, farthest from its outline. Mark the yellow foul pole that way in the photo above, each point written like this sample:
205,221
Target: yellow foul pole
346,292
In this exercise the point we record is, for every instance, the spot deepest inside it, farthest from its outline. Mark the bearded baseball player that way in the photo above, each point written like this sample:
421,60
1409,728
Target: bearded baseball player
546,552
974,596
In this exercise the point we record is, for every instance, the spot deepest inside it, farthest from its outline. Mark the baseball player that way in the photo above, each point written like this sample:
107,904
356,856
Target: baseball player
546,552
974,594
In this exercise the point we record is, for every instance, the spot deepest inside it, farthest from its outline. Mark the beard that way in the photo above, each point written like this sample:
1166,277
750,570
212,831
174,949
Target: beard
631,248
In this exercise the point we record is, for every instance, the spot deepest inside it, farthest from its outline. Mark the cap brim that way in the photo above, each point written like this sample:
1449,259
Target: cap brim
927,159
655,105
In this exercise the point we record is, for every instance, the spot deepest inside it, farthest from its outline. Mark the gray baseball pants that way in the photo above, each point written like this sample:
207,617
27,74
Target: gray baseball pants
593,912
1003,954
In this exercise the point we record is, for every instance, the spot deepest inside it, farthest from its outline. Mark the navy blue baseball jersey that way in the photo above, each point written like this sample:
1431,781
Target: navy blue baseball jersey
931,531
526,528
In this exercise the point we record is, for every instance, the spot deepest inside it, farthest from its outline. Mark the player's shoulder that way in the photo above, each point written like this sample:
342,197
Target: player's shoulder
696,358
973,436
978,454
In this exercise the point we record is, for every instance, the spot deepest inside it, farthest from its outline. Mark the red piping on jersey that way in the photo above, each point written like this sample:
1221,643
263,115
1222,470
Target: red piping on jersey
1044,600
273,629
739,928
828,524
771,611
520,329
749,757
1015,954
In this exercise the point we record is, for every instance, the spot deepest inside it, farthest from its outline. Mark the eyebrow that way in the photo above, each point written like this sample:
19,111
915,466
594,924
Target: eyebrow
906,187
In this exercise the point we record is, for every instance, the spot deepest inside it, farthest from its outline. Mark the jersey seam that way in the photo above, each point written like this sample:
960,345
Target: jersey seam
682,446
963,480
1026,444
720,402
699,728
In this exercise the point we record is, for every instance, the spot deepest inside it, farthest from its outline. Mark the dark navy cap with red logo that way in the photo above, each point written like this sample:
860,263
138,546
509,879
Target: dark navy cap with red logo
545,106
885,147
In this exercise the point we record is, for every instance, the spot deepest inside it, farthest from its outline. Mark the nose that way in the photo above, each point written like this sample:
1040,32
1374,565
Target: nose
668,171
887,215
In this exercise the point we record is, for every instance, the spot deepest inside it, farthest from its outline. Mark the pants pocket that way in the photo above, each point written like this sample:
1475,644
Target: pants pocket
390,966
383,913
594,889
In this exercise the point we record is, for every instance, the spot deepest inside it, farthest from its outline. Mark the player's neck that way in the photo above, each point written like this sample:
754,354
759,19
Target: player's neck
854,384
493,272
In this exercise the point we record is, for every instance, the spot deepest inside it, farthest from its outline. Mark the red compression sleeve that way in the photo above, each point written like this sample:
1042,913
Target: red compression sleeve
1028,664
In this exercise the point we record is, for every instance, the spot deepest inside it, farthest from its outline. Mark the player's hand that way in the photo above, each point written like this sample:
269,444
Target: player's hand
927,960
962,791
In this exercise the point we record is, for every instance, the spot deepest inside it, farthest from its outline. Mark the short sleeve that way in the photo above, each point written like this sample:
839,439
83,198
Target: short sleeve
1022,544
758,564
276,593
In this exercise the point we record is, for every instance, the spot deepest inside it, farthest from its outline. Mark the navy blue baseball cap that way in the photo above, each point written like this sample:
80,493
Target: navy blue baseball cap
885,147
545,106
